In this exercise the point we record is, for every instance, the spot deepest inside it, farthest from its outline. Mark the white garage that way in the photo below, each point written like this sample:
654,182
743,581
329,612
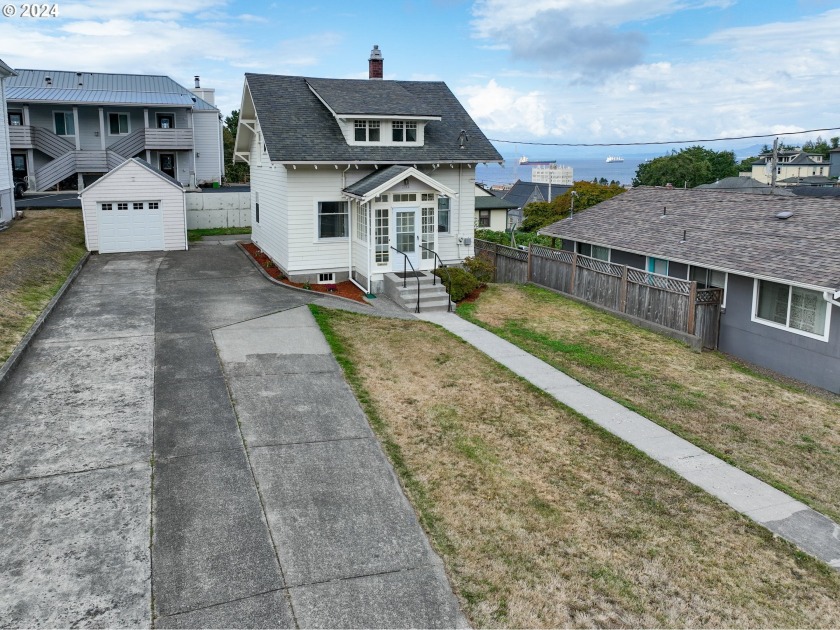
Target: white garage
134,208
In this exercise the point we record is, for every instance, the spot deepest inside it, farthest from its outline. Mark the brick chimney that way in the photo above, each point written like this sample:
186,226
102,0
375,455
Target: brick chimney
375,63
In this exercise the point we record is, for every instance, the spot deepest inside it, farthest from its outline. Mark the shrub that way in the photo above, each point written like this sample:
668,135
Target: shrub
481,268
459,282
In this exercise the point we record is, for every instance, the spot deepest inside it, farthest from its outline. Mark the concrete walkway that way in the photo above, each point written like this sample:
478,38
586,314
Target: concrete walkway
180,449
809,530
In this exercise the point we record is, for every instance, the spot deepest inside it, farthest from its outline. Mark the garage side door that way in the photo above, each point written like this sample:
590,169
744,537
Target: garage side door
130,226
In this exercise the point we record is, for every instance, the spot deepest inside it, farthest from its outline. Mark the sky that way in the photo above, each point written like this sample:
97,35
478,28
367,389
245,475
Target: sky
549,71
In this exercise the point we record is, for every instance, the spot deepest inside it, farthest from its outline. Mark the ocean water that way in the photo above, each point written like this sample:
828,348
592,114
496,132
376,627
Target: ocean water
584,169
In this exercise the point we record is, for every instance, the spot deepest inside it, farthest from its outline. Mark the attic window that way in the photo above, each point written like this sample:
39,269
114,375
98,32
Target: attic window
404,131
367,131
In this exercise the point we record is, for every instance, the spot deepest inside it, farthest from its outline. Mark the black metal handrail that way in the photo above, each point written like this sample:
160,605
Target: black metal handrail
434,277
405,276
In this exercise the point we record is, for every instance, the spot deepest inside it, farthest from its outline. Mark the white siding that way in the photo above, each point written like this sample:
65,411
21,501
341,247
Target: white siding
207,138
268,187
461,179
133,182
306,187
5,149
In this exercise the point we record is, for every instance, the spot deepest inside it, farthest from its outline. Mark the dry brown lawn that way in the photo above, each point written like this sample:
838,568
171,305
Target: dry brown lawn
787,436
36,255
543,519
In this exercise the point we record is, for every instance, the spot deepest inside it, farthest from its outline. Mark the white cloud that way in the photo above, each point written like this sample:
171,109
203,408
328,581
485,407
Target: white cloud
153,9
499,109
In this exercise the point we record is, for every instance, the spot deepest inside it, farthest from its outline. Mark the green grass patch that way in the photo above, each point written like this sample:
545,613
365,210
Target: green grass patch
198,234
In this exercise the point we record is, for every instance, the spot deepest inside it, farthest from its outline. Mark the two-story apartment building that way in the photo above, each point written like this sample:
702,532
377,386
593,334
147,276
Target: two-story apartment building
791,167
66,129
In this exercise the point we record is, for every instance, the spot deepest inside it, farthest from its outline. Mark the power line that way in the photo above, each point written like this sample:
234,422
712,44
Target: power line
637,144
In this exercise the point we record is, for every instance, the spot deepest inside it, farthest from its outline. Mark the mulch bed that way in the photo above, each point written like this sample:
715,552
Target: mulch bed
472,297
344,289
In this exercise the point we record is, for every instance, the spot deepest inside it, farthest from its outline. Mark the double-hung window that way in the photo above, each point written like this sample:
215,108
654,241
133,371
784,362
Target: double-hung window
117,124
791,307
404,131
484,218
366,130
64,125
443,214
332,219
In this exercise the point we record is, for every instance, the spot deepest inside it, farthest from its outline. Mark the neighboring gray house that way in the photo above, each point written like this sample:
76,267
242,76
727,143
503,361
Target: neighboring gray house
523,193
7,201
68,128
491,212
774,256
745,185
344,172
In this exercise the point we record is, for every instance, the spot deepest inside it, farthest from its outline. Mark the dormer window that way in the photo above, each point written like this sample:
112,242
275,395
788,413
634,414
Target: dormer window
367,131
404,131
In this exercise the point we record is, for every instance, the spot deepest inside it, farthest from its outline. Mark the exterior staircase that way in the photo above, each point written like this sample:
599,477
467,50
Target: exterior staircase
433,297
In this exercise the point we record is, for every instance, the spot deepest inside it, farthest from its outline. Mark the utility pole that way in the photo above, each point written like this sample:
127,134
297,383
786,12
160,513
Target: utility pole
773,163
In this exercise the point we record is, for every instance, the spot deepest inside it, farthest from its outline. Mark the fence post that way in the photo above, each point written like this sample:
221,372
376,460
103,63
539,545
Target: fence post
622,300
692,306
495,262
572,275
528,274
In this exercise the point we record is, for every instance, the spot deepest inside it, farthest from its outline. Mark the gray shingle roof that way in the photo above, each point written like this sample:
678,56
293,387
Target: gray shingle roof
363,96
745,185
493,203
297,127
725,230
522,193
375,179
98,87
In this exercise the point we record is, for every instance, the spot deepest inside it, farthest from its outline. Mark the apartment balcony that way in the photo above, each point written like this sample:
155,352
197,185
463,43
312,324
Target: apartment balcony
168,139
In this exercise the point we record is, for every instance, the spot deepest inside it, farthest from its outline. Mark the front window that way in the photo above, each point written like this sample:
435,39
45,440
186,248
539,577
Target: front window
443,214
117,124
791,307
484,218
427,232
64,125
332,219
366,130
15,119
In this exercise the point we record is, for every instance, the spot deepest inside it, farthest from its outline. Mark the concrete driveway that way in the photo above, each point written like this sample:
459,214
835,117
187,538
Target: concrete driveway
181,450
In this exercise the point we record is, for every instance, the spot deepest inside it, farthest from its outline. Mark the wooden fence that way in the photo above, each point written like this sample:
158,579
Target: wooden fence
670,302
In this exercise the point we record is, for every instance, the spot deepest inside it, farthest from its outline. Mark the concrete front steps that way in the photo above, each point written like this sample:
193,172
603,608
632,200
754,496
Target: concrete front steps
433,297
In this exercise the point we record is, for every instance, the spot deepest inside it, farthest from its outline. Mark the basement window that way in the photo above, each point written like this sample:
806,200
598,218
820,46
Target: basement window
326,278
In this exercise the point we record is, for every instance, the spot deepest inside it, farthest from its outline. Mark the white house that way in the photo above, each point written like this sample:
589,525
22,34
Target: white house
7,201
68,128
357,178
134,208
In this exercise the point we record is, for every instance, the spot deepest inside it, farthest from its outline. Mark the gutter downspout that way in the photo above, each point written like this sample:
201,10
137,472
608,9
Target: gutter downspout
349,228
832,298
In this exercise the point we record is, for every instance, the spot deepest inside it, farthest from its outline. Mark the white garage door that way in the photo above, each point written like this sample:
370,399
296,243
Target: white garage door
130,226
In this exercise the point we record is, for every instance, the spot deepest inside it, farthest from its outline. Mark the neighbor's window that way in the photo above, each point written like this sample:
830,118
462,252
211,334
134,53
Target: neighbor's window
15,119
484,218
791,307
122,206
137,205
443,214
64,125
594,251
367,130
117,124
332,219
107,206
154,205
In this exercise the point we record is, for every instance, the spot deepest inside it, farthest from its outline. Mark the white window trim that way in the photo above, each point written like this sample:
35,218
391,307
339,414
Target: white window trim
128,124
796,331
332,239
73,118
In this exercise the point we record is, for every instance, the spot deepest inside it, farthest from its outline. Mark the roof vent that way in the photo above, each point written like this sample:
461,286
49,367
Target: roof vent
48,80
786,214
197,81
